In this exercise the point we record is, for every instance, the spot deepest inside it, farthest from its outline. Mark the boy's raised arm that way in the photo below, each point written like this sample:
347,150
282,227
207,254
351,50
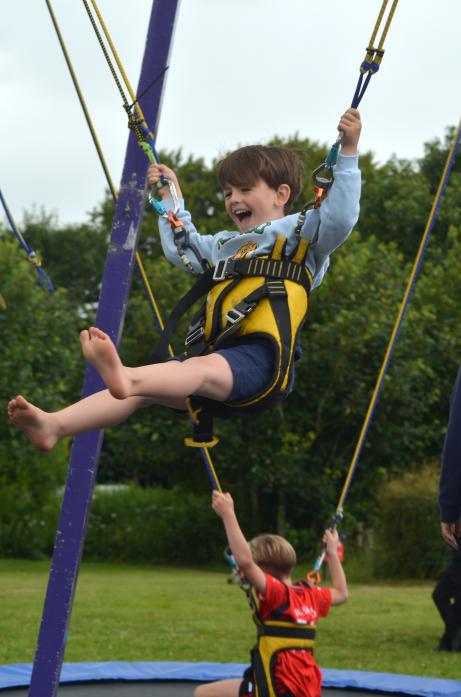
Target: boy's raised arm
199,245
339,592
223,506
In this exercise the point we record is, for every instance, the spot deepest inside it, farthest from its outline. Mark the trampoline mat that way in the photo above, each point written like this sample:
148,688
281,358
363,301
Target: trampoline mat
159,688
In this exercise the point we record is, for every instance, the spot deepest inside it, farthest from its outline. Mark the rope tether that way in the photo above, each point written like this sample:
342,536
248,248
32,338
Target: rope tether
374,56
416,268
44,279
323,176
145,133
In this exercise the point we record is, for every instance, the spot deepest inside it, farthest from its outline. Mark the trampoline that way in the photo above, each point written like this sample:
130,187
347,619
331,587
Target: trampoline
179,680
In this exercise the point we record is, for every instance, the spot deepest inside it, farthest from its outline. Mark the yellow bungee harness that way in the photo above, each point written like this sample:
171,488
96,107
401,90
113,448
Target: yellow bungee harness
257,298
274,636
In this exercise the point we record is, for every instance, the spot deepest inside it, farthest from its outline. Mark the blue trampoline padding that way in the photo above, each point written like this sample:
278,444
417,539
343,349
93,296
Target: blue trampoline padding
18,675
391,682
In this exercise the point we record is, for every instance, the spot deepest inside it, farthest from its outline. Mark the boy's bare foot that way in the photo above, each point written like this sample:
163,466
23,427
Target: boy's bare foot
39,426
99,350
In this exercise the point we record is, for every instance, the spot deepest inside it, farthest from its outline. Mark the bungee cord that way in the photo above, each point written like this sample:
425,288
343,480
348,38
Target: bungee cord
415,271
44,279
146,140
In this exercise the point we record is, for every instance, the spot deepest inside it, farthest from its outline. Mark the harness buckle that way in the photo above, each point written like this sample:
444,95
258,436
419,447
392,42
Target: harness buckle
239,312
223,269
196,331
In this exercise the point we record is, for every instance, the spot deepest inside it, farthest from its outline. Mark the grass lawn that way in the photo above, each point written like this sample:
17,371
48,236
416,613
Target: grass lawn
136,613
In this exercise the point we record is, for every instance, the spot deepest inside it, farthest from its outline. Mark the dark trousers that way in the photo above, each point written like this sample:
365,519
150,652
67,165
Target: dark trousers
447,598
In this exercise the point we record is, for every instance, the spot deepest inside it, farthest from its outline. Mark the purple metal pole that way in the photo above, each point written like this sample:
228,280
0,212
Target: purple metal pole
118,271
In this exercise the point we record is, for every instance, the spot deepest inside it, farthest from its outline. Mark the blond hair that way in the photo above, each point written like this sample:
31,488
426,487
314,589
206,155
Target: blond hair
273,554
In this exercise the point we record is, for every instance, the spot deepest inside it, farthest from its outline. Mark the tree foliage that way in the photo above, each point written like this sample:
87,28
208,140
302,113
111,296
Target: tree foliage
38,358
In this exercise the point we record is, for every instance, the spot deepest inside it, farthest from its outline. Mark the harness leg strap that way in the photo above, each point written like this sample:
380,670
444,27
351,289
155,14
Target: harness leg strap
202,429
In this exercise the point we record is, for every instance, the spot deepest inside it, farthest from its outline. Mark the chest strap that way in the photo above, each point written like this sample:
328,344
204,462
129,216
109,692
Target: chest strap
273,268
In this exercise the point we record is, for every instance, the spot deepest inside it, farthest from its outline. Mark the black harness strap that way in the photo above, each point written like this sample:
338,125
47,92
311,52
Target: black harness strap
203,284
273,268
286,632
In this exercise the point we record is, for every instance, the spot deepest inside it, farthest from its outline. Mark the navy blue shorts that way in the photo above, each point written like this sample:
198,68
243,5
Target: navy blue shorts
252,366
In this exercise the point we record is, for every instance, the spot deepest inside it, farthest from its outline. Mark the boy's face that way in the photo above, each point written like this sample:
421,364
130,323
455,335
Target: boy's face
250,206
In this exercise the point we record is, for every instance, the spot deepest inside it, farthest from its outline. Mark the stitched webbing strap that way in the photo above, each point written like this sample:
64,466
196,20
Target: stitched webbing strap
268,268
294,632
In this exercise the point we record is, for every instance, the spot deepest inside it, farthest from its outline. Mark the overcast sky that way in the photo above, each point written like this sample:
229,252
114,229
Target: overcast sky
241,71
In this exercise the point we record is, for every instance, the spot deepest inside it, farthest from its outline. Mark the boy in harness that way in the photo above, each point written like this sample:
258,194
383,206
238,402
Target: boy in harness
260,185
282,660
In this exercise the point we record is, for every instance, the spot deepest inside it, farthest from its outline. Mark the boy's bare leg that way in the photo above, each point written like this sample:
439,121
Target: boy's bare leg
44,429
167,384
222,688
207,376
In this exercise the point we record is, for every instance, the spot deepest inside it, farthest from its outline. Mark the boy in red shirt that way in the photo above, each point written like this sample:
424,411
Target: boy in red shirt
267,563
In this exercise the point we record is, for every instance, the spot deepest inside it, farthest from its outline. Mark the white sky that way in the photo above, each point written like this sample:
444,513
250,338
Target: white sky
241,71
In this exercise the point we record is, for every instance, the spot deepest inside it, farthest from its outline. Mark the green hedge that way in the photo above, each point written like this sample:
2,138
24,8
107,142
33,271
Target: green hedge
407,529
153,526
29,505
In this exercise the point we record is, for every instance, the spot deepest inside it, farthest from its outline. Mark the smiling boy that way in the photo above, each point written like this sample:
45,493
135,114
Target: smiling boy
242,361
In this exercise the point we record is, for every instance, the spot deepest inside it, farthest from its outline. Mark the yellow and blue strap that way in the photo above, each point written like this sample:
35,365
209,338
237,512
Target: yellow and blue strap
416,268
373,57
369,66
45,280
146,141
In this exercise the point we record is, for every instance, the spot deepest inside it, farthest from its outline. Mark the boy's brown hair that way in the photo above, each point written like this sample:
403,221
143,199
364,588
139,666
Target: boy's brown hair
273,554
272,164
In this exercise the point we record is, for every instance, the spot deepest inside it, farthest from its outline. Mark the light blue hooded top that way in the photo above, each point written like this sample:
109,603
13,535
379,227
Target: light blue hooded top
326,228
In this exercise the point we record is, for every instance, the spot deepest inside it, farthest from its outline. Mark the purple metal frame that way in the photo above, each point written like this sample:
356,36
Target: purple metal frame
113,300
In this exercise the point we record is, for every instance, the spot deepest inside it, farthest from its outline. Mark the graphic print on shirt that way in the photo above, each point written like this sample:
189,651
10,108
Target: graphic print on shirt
259,230
246,249
305,615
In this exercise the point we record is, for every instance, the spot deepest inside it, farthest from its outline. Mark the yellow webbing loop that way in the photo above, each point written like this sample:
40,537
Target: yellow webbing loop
279,246
301,251
191,443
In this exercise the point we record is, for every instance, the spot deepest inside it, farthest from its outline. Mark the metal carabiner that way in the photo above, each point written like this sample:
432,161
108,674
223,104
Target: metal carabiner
323,182
174,195
155,203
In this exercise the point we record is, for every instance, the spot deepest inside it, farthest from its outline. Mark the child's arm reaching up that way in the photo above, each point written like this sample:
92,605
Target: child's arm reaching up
223,506
155,172
197,246
338,589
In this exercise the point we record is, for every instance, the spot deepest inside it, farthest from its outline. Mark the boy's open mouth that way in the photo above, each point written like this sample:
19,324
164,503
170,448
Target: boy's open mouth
242,213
